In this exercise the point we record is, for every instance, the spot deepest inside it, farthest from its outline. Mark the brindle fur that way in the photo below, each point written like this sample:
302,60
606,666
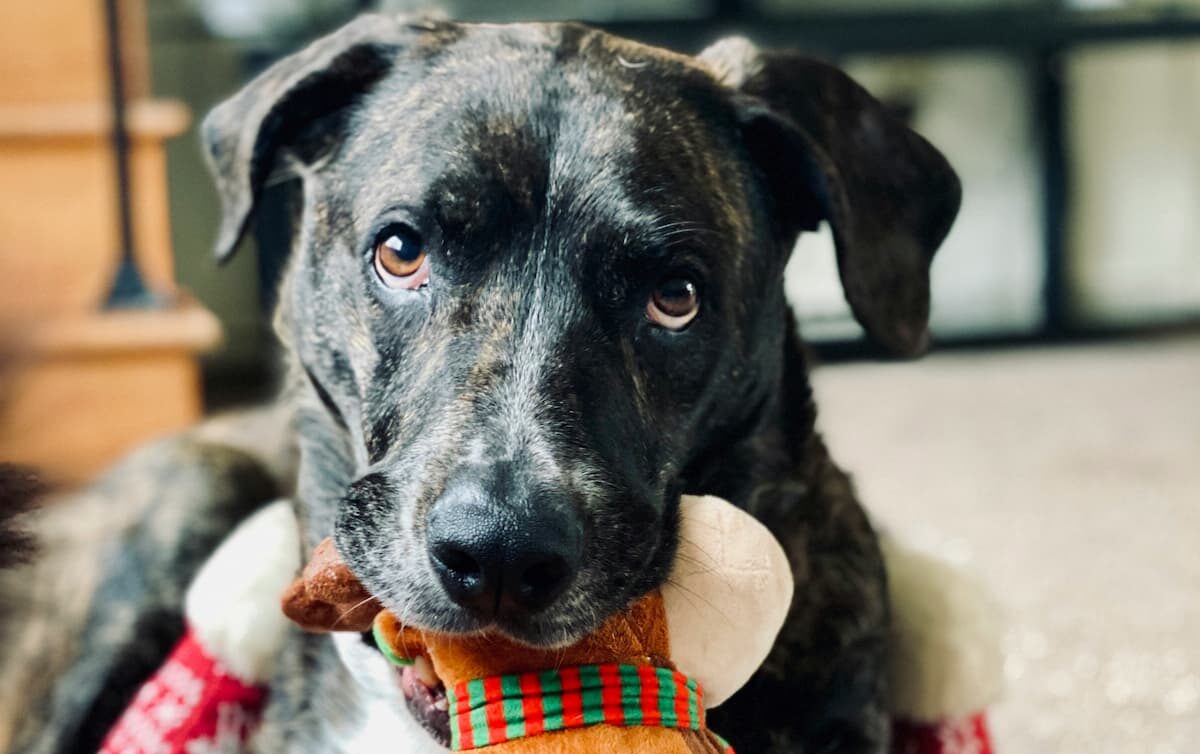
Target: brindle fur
556,174
100,606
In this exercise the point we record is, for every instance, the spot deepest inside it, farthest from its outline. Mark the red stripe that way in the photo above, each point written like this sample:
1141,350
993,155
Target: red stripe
610,695
493,693
571,700
650,712
531,704
681,701
462,698
980,729
466,739
570,679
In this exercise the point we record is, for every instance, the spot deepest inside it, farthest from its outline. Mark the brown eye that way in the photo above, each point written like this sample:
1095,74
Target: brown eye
674,304
400,260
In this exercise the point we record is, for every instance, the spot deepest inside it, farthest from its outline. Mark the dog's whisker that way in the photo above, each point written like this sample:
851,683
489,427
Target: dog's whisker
698,566
692,593
695,546
352,608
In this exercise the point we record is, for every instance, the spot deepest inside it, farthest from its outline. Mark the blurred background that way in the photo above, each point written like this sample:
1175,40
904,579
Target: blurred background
1051,442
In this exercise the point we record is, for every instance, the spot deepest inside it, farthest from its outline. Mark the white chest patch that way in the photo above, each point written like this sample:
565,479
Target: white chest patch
386,729
382,722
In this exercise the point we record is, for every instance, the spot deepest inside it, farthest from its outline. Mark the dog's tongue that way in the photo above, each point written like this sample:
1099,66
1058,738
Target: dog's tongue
427,703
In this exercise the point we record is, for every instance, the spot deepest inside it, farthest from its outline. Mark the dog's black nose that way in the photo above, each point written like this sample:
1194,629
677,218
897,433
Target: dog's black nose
490,555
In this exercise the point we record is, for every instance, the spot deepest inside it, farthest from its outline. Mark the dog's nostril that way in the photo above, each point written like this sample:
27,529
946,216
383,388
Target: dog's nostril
457,560
545,576
469,577
541,581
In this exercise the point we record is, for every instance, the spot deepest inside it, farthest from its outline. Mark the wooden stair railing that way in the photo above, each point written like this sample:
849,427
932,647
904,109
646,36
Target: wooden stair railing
85,383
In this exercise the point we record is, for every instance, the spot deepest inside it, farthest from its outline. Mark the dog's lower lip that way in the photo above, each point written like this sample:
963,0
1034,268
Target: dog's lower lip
427,704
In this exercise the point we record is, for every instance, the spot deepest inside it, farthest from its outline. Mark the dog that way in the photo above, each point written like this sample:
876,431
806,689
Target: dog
535,294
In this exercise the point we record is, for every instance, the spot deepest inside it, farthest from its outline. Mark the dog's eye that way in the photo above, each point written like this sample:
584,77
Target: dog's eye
674,303
400,260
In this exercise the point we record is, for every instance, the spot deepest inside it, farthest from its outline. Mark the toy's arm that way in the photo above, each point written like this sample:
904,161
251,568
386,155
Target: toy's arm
328,597
401,644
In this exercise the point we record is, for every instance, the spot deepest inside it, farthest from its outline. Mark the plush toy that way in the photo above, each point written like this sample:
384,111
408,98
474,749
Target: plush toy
640,682
945,649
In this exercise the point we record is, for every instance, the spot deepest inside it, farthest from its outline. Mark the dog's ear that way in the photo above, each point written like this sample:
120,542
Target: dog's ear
245,134
830,151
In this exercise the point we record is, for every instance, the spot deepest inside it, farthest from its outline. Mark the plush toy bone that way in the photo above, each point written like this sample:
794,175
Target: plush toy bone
638,683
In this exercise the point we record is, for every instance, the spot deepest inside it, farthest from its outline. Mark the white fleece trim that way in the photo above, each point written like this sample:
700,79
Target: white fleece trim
947,657
233,604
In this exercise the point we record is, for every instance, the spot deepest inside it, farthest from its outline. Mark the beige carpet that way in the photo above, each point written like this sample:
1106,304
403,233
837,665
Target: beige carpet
1068,480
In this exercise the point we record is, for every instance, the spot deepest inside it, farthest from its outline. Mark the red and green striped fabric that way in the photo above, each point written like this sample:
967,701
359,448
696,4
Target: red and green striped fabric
493,710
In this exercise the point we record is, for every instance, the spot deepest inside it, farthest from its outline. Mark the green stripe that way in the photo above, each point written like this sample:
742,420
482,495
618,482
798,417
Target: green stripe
475,693
593,696
514,710
631,694
693,710
666,698
452,704
551,683
478,718
386,648
552,708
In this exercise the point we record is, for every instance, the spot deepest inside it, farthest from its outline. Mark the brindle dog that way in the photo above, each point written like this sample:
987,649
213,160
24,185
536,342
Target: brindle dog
535,294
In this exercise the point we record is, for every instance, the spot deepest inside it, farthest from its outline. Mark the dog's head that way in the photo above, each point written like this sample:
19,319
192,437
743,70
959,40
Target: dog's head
537,278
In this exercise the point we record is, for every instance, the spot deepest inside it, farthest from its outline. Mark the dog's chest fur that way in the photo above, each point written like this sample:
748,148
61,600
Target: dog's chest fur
383,723
384,728
335,695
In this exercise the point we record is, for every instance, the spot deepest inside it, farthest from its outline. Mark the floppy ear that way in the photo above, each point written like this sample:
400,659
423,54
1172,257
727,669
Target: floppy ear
244,135
830,151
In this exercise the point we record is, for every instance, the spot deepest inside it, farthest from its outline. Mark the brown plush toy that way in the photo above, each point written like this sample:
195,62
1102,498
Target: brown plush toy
641,682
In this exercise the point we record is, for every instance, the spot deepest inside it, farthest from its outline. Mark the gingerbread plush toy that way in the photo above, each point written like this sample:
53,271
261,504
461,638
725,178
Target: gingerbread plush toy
640,682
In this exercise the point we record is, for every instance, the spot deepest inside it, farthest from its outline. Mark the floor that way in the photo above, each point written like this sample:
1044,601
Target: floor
1068,480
